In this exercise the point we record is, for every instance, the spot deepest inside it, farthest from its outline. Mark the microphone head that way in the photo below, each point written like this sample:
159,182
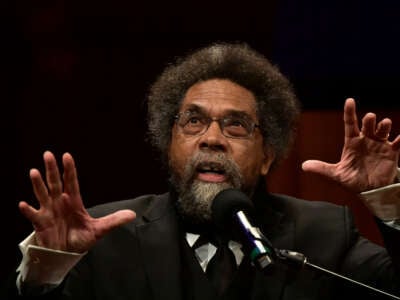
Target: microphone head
226,204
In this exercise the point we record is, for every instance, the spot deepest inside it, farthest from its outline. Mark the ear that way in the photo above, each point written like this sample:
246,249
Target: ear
269,157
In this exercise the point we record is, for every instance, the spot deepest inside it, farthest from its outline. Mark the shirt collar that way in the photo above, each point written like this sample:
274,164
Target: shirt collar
205,252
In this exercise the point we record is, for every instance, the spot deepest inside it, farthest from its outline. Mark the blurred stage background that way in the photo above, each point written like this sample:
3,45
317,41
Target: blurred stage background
78,73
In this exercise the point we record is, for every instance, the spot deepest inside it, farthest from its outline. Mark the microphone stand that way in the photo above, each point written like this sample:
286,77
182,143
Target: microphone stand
300,261
262,254
260,250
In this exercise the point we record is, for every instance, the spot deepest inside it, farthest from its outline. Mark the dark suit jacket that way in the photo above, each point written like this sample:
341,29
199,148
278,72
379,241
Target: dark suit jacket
150,259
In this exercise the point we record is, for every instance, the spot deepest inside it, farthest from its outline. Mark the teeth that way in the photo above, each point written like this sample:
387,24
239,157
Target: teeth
208,169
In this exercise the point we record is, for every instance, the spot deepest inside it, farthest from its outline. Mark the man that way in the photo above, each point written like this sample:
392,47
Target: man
222,118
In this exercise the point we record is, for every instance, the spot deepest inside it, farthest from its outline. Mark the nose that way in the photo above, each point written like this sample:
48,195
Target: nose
213,139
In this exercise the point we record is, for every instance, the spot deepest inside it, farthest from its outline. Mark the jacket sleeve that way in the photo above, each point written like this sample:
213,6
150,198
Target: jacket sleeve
372,264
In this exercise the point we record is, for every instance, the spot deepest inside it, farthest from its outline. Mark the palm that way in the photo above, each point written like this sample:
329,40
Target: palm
62,222
62,226
366,164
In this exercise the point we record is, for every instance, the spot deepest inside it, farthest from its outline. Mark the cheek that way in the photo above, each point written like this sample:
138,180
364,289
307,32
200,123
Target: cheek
250,160
179,153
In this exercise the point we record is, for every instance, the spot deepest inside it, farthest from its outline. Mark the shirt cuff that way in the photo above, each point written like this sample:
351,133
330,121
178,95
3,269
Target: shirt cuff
40,266
394,224
384,202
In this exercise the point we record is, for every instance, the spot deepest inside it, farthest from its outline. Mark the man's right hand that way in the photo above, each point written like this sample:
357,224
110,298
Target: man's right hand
62,222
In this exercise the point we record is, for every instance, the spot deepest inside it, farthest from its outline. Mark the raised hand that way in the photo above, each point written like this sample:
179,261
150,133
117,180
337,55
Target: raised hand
369,159
62,222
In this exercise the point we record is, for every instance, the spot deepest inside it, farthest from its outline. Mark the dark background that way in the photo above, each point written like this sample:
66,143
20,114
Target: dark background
77,73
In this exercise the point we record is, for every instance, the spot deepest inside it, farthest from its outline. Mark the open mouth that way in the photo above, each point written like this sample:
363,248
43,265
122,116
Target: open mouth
211,172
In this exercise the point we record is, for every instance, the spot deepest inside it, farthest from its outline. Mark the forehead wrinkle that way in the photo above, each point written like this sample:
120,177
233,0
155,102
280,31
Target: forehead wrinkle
225,113
220,96
215,97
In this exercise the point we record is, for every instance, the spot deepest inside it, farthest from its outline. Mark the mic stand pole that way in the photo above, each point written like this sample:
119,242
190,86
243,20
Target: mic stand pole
299,260
262,254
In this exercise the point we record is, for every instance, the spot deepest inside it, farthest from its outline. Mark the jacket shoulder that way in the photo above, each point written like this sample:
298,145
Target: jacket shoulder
141,205
308,208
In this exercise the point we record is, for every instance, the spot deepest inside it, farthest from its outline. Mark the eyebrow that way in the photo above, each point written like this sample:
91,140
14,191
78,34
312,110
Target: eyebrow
230,112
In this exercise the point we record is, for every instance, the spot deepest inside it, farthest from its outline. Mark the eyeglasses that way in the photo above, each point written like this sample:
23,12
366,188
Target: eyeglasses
232,126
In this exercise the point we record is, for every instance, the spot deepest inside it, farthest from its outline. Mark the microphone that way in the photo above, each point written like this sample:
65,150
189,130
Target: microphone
229,211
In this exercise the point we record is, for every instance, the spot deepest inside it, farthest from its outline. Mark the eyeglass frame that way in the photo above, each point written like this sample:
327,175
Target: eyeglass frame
221,123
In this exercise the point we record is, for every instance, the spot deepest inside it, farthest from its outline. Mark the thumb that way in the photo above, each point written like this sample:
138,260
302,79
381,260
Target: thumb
111,221
318,167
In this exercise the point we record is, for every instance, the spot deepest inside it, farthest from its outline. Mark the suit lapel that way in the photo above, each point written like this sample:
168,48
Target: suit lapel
159,243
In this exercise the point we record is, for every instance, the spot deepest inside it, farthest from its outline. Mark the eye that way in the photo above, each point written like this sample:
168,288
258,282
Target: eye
193,120
235,122
236,127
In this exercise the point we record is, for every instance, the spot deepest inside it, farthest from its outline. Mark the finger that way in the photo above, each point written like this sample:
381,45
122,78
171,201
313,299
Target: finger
71,184
52,174
318,167
383,129
396,143
350,119
368,128
109,222
39,187
28,211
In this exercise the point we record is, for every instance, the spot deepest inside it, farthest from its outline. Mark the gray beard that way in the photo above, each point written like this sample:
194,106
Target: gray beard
195,196
195,203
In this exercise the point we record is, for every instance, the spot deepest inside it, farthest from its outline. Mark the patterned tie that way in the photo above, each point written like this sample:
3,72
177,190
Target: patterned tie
222,266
